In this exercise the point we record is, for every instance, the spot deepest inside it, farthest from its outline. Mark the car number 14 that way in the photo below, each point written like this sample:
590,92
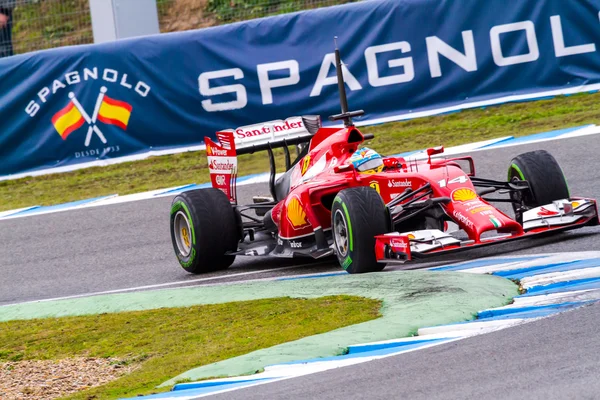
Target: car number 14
444,182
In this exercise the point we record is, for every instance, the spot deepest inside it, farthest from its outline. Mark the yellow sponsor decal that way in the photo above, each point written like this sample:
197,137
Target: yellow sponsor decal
410,236
185,236
296,214
375,185
480,209
305,163
463,194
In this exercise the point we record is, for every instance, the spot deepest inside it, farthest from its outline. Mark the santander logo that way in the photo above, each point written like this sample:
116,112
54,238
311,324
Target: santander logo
263,129
403,183
221,165
398,244
544,212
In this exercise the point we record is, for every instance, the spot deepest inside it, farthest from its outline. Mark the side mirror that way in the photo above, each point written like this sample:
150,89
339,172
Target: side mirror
435,150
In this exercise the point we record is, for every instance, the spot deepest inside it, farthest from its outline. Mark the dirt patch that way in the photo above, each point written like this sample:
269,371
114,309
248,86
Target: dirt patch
183,15
51,379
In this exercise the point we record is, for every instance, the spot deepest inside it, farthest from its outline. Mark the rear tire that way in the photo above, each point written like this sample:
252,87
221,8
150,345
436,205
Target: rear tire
203,228
357,216
545,177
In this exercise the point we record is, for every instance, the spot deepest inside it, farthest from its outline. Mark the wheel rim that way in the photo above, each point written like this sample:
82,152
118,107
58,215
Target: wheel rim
182,229
340,231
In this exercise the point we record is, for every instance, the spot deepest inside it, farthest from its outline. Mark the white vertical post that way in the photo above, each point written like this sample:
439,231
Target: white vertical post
119,19
103,21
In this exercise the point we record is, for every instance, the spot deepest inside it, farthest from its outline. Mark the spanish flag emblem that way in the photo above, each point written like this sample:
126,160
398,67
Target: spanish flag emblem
67,120
114,112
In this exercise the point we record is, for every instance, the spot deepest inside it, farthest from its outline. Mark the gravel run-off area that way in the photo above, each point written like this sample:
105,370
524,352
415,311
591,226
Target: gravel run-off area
50,379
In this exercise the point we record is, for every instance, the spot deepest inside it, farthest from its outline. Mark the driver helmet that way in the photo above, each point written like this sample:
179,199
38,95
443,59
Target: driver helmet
367,161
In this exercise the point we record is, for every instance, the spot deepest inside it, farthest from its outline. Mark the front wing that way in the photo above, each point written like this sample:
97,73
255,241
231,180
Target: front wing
561,215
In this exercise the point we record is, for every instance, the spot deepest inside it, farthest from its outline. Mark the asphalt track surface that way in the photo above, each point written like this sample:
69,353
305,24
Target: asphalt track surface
125,246
552,358
128,245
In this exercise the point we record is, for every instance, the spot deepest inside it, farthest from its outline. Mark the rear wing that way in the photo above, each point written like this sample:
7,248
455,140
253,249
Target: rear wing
222,156
275,134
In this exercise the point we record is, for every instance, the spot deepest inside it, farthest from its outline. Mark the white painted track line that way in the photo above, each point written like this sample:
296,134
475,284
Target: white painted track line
162,285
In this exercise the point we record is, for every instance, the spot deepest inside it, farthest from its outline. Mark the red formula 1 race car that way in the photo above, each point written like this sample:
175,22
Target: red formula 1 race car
338,199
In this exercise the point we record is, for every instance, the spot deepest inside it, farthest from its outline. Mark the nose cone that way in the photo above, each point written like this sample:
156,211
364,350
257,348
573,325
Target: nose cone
475,216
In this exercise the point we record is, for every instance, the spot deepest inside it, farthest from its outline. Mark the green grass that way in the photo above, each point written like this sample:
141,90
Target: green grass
516,119
51,23
43,24
169,341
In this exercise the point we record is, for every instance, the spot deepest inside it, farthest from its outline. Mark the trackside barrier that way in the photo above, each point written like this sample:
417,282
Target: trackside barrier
415,57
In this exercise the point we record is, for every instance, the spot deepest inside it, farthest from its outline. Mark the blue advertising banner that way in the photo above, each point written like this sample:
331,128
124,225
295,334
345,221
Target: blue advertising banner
402,58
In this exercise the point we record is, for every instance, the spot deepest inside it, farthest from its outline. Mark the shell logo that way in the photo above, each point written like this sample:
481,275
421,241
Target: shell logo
410,236
463,194
208,151
296,214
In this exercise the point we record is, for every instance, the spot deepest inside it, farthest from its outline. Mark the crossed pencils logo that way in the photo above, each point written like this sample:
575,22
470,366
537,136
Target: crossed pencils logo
107,110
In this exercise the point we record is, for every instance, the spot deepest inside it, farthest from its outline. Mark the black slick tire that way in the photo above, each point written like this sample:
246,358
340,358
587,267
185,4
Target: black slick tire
545,177
357,216
203,228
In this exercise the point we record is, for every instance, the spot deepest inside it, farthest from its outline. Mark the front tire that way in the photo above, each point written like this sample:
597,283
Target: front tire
545,177
357,216
203,229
